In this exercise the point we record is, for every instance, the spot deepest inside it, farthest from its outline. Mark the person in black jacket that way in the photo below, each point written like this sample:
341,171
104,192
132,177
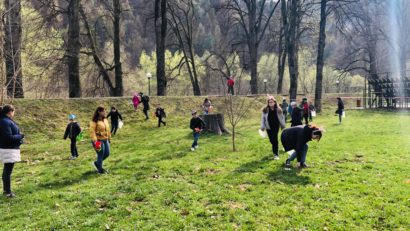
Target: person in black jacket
340,109
145,103
296,138
196,124
160,114
72,131
10,141
296,115
115,117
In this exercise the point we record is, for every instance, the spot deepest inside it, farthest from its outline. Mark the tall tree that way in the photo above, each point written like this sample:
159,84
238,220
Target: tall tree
12,49
251,15
160,35
292,47
282,46
182,22
119,89
73,49
320,58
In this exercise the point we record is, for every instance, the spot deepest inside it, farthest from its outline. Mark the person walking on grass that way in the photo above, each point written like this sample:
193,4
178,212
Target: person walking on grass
72,130
100,138
284,107
311,109
305,110
340,109
115,119
145,103
296,115
296,138
272,119
10,141
136,99
160,114
197,125
230,83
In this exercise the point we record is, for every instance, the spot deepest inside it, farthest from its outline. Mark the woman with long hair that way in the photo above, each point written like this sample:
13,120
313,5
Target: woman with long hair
10,141
100,137
272,119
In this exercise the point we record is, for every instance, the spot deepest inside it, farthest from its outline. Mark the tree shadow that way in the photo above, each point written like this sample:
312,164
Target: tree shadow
292,176
67,182
253,165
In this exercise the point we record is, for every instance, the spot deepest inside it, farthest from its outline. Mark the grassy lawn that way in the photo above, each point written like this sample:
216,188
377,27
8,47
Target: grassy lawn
357,179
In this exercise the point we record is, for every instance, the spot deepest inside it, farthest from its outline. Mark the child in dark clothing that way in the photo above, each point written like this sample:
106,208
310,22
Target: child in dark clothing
115,117
160,113
296,115
72,131
196,124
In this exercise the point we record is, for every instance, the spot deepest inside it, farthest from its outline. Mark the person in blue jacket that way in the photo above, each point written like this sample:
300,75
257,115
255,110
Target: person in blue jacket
10,141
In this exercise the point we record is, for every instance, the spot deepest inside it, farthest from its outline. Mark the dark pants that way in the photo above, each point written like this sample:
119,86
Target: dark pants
230,90
305,116
73,147
273,138
102,154
196,138
340,117
310,117
285,115
145,113
8,169
160,121
114,127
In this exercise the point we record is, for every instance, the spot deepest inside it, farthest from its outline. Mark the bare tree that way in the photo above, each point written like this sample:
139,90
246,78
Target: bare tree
253,17
282,45
160,36
182,21
12,48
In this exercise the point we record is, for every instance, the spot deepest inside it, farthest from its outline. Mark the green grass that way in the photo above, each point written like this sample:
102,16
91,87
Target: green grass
356,180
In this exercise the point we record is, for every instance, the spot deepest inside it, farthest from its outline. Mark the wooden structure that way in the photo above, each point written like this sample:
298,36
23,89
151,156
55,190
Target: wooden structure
214,123
387,92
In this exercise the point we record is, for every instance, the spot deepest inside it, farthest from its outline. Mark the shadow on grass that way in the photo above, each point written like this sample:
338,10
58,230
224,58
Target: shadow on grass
253,165
282,176
58,183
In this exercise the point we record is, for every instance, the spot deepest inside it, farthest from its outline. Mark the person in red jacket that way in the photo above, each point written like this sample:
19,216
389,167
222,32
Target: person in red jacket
230,83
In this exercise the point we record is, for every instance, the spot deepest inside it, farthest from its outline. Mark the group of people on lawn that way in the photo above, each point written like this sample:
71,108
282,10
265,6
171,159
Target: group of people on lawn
273,118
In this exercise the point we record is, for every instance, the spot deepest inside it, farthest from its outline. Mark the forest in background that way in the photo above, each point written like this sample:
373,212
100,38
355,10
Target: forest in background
77,48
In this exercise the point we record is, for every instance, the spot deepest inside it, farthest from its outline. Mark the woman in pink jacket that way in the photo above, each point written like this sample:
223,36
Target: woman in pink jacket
136,100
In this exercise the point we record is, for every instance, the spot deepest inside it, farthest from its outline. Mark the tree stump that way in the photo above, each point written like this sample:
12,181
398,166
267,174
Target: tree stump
214,123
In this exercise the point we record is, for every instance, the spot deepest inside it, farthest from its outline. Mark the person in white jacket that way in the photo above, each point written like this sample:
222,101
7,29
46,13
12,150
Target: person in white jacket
272,119
10,141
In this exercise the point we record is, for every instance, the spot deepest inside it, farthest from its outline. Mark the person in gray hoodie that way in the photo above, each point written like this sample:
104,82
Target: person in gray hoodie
271,120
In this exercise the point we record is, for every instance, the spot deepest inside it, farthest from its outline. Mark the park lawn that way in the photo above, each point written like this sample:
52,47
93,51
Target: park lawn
357,180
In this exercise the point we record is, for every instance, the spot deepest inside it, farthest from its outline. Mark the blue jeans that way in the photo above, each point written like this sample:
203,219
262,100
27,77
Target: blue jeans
301,157
102,154
196,138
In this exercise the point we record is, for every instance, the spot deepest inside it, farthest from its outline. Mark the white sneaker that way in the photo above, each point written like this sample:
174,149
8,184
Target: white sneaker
192,149
276,157
196,147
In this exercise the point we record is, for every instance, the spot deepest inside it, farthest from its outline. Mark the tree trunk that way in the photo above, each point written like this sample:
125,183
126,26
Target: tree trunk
215,123
233,139
119,89
12,49
73,50
320,59
253,48
282,47
292,50
160,35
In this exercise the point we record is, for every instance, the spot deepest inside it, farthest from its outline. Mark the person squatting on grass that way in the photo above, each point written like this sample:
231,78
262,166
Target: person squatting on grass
272,119
115,117
296,138
145,103
160,114
296,116
207,106
100,137
10,141
72,130
340,109
196,124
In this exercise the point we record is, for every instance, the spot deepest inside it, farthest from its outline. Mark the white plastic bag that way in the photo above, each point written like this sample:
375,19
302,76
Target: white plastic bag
120,124
313,113
262,133
343,114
